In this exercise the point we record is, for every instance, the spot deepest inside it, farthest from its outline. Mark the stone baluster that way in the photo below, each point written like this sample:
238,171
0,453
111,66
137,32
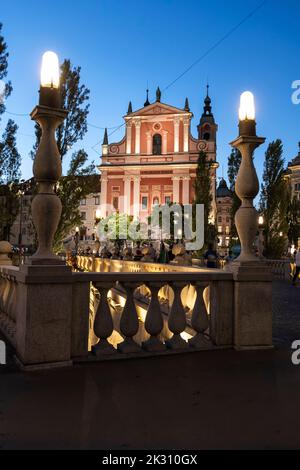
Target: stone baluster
12,298
5,295
154,321
246,188
199,321
2,289
47,169
129,323
177,319
103,324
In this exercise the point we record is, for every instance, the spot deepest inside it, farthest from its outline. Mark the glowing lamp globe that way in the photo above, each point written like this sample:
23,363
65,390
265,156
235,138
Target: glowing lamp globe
50,70
247,107
260,220
49,90
247,124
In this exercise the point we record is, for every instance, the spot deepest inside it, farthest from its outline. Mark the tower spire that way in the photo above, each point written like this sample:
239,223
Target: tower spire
158,94
105,137
207,104
186,105
147,102
129,108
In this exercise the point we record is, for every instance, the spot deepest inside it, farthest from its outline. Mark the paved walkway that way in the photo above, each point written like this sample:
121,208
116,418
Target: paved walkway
205,400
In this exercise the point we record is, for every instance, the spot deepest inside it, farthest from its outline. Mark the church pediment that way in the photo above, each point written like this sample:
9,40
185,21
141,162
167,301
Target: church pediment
158,108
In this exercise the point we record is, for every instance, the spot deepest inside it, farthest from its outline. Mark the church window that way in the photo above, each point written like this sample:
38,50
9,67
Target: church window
156,144
167,199
115,202
144,203
155,201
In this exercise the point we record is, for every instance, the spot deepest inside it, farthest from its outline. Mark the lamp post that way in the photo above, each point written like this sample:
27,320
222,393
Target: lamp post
76,237
47,168
247,185
21,193
260,236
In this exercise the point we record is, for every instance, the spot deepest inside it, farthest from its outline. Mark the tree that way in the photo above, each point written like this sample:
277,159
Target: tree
5,87
79,182
234,162
10,162
274,200
80,179
203,194
9,156
293,220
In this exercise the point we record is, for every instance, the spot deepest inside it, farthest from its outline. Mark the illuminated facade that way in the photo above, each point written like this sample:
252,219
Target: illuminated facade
156,161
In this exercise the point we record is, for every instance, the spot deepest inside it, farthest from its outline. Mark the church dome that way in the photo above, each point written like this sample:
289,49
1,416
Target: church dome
222,190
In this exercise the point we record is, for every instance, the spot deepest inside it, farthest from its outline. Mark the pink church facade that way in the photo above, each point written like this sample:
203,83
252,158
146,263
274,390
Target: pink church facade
156,161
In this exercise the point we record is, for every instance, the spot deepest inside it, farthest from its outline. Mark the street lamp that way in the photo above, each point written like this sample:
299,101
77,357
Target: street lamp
260,236
76,237
47,167
97,216
247,185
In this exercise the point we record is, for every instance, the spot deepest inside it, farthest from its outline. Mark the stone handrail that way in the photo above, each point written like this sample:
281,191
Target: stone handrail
96,264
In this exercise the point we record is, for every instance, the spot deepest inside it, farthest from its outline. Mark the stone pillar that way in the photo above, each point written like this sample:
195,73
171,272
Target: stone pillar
127,194
176,134
137,136
128,136
252,277
186,190
164,142
136,196
103,195
247,187
47,169
186,131
176,180
149,143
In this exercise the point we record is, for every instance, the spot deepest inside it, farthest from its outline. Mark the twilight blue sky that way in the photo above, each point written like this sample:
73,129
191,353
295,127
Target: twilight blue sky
123,44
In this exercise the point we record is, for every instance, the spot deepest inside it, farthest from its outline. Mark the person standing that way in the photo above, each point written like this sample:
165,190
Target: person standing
297,267
211,257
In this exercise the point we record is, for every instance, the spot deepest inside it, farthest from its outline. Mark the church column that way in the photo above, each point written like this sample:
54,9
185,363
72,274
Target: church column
176,180
186,190
127,185
149,143
137,136
103,195
128,136
186,128
136,196
164,142
176,134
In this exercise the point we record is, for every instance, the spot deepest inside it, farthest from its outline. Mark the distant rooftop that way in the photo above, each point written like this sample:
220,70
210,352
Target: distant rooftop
222,190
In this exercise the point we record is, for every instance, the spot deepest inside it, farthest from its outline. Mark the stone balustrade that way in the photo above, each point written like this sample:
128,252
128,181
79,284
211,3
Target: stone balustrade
8,303
143,325
281,268
129,309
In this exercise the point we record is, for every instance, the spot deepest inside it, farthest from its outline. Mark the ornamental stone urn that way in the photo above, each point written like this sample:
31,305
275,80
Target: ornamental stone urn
5,250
